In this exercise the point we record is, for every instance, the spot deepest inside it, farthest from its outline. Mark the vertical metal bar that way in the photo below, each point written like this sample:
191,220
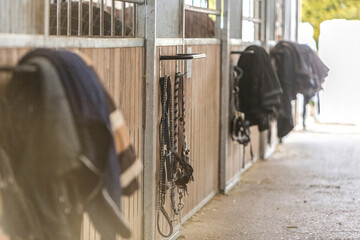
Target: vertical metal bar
101,17
123,20
91,13
200,27
58,18
150,121
183,12
160,66
298,18
181,3
112,18
191,25
241,18
47,18
225,95
69,17
80,18
218,20
134,20
263,21
177,61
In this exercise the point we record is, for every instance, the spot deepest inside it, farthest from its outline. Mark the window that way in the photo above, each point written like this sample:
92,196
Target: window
252,20
200,17
106,18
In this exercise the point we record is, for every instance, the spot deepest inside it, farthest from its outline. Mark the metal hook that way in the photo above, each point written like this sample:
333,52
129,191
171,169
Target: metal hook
21,68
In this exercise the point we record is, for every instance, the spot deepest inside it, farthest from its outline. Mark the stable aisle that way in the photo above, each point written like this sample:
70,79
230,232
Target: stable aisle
309,189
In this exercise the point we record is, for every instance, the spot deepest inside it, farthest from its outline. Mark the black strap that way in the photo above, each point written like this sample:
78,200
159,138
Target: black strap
239,128
175,168
244,153
184,173
164,138
187,172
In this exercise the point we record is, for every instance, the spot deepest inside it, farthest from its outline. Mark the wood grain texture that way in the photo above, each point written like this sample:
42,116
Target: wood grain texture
202,124
120,71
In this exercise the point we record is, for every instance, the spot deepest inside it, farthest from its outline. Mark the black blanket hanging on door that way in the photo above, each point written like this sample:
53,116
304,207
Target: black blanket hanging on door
300,71
259,87
74,159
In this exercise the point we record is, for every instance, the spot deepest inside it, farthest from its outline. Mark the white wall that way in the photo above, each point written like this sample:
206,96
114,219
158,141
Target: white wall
339,48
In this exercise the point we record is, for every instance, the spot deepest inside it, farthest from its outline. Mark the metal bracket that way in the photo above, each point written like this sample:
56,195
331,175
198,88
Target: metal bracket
22,68
242,52
183,56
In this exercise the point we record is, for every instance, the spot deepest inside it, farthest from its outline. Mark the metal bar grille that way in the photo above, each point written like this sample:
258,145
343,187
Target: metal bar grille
58,18
112,18
134,21
202,10
201,20
101,17
254,20
69,18
133,1
91,25
93,17
80,29
123,19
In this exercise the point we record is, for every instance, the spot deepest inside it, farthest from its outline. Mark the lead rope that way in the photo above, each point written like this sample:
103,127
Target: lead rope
172,140
178,169
178,76
176,110
163,155
186,151
185,171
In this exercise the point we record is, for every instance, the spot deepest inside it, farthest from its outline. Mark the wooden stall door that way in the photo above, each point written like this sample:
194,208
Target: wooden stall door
121,71
235,160
202,127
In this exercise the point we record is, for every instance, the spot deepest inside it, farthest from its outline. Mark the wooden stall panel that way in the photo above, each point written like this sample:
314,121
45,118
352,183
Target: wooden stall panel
202,92
120,70
204,102
168,68
235,161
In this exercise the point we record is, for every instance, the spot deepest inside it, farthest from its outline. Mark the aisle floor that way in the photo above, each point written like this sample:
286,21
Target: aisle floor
309,189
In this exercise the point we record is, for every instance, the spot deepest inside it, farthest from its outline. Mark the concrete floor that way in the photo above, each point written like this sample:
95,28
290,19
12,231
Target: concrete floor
309,189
